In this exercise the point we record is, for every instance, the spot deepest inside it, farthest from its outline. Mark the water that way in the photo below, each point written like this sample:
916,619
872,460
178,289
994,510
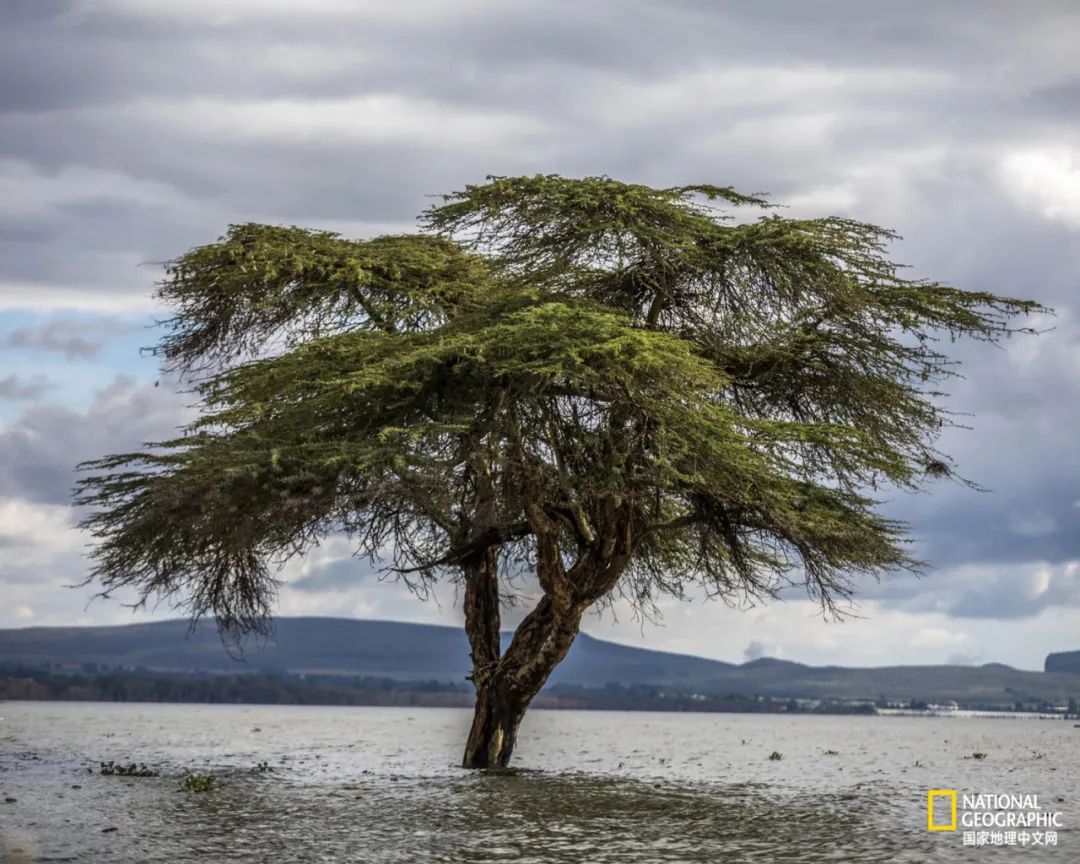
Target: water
381,785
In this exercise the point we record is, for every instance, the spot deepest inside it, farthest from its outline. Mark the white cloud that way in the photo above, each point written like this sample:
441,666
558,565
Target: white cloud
716,88
1041,580
302,60
33,534
878,635
26,191
872,186
220,12
937,637
374,119
1046,180
34,297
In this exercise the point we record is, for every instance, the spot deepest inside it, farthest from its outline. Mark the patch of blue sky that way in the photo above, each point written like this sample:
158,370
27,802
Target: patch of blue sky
74,377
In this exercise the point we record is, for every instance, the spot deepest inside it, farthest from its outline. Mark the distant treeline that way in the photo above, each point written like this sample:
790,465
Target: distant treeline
280,688
268,688
644,697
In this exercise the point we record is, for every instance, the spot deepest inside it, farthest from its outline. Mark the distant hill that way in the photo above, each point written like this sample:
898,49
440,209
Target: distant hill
330,646
1065,661
423,652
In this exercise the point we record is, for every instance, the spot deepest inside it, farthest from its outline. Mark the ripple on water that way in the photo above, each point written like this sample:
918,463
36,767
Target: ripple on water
666,788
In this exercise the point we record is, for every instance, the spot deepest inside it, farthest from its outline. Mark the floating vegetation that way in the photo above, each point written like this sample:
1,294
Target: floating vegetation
830,753
976,755
111,769
775,756
199,782
10,799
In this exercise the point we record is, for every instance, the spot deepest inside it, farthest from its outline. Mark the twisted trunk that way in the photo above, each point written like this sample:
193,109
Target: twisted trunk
506,684
503,692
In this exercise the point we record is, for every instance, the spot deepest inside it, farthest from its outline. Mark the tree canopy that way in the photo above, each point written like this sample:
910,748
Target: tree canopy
615,387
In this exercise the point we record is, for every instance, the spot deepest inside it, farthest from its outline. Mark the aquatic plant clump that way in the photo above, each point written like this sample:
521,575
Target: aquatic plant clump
131,769
199,783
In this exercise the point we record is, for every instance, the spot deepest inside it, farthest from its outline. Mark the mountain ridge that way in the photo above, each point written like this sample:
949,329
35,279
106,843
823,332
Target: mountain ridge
425,652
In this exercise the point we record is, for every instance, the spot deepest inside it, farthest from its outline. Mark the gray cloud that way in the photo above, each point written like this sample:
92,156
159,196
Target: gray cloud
16,387
755,650
39,451
63,337
342,574
999,590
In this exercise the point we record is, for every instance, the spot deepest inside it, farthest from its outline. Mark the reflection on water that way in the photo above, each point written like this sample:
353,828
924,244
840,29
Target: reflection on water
362,784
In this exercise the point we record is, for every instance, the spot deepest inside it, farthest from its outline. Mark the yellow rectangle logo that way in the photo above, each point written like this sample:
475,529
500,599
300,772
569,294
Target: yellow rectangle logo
940,793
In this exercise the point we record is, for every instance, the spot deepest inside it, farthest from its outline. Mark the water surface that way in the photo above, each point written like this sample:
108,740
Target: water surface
382,785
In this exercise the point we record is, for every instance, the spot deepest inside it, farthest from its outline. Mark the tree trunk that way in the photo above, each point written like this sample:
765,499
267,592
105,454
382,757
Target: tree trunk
495,723
503,693
507,682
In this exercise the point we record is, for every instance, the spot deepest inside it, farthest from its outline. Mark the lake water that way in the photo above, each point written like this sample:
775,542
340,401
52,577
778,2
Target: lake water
381,785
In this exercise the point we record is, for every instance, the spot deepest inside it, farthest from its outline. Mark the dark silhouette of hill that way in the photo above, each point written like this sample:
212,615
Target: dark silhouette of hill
329,646
1064,661
423,652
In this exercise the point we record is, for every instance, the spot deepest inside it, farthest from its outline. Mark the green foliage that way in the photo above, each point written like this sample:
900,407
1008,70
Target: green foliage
261,283
689,398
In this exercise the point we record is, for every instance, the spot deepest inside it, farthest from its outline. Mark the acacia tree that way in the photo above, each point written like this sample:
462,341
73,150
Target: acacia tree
618,389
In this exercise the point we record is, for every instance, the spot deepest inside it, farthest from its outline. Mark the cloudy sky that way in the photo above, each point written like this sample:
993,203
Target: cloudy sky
131,130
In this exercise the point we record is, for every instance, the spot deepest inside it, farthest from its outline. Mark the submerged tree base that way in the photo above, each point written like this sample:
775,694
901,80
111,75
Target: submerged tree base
494,730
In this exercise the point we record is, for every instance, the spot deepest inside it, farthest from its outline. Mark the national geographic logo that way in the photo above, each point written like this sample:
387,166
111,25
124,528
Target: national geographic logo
939,796
992,818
